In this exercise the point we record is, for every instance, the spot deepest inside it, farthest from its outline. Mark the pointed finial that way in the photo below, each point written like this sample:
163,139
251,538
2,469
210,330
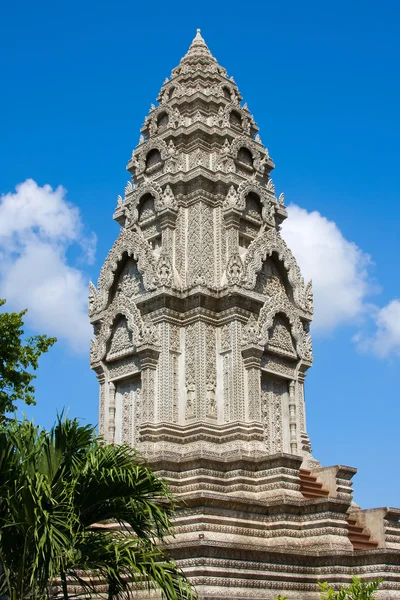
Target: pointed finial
198,50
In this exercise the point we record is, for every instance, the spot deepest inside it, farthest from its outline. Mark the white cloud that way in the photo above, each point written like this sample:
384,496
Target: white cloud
337,267
386,338
37,227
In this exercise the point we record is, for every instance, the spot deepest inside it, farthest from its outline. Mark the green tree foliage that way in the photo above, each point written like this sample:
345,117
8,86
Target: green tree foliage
62,493
357,590
17,356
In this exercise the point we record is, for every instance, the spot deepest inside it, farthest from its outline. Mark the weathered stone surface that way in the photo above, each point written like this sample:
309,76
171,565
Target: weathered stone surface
201,320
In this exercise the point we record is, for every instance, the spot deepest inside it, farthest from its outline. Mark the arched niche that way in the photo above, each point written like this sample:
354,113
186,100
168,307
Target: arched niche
245,157
153,159
147,220
162,120
251,219
227,92
235,119
146,207
253,206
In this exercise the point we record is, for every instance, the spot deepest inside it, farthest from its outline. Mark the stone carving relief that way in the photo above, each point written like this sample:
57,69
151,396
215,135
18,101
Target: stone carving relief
168,199
149,333
121,341
232,199
234,270
190,399
267,200
124,366
268,272
130,282
128,397
251,334
273,392
280,336
211,402
164,270
281,366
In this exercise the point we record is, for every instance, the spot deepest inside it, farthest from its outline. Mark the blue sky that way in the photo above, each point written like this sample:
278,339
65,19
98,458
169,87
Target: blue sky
322,80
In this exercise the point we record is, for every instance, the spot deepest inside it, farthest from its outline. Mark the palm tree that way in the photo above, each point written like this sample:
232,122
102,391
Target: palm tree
75,510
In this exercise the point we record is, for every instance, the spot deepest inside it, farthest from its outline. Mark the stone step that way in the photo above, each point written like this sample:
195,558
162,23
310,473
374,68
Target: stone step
310,487
313,495
358,537
365,546
316,485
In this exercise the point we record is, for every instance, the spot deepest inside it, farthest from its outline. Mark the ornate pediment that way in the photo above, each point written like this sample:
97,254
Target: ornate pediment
128,243
265,245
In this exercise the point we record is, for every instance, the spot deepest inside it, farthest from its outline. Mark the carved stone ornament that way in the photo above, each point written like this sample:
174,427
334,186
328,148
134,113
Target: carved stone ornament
251,333
211,402
167,199
164,270
149,334
232,199
234,270
190,399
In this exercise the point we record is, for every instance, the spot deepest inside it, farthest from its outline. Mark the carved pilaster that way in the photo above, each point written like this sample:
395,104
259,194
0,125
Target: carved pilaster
102,403
168,218
292,418
148,356
232,220
111,413
251,360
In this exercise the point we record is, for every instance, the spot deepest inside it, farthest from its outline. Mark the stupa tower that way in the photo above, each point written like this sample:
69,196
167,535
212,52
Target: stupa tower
201,314
201,320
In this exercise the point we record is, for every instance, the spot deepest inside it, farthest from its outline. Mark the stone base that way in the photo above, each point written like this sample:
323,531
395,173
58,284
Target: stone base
244,530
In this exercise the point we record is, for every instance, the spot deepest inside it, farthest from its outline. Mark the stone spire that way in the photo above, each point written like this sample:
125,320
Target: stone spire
201,315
